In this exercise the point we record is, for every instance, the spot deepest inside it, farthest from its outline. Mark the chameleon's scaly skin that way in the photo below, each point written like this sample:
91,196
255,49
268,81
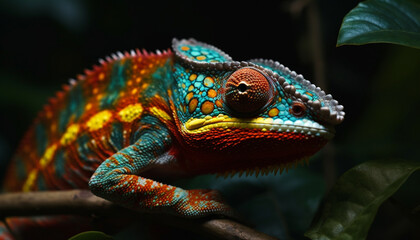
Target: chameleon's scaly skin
140,116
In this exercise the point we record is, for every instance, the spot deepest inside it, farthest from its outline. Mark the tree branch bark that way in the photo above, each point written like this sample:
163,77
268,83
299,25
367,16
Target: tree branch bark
83,202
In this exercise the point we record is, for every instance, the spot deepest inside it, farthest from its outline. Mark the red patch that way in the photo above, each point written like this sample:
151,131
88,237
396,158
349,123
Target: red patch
220,150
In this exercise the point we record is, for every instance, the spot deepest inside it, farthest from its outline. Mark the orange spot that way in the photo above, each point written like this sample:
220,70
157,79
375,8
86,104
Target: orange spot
193,76
192,105
273,112
129,83
49,114
53,127
211,93
95,91
207,107
201,58
138,79
185,48
189,96
101,76
183,85
279,99
190,88
88,106
308,93
134,91
219,103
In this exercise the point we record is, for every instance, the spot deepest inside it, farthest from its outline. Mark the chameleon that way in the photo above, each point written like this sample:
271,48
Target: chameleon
137,120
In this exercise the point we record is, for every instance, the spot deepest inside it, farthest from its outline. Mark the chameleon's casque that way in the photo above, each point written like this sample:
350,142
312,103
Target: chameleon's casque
140,116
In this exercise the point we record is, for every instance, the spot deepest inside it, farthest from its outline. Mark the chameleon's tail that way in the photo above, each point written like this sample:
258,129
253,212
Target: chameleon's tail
4,232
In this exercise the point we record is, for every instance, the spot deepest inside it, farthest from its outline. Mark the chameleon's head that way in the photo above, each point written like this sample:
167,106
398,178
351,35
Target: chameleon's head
247,115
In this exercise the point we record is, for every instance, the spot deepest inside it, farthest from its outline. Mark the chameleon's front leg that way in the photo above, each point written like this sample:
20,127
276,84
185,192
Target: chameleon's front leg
118,180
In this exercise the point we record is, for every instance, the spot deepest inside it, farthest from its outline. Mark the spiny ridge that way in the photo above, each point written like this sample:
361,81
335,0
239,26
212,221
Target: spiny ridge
52,102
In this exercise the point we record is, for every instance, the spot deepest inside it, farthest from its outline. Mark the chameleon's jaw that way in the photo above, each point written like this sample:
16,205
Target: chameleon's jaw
306,127
224,144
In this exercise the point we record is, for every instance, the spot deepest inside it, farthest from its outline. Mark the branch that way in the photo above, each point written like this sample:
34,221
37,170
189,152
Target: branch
83,202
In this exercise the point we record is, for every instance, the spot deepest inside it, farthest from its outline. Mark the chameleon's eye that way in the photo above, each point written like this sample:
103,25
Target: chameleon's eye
247,91
298,109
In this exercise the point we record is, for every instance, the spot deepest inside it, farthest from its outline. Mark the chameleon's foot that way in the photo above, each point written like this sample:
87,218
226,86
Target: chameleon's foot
203,202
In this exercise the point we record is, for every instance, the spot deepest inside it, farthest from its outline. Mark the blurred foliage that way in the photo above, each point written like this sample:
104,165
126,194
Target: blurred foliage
351,206
385,21
352,203
46,42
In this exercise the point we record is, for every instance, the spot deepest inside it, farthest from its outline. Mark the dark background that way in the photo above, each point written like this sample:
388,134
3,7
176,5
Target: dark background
43,43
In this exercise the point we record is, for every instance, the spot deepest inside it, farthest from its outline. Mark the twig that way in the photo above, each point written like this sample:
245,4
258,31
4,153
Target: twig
83,202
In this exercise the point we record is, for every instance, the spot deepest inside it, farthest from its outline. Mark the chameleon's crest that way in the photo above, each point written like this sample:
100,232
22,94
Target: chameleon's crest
197,55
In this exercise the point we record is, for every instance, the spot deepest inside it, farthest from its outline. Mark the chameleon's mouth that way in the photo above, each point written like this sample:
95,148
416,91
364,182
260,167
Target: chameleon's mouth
307,127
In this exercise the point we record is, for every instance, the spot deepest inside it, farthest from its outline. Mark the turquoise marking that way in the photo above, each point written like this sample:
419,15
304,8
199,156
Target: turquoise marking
116,136
117,83
195,53
159,82
200,78
77,101
74,109
41,183
59,163
41,139
85,153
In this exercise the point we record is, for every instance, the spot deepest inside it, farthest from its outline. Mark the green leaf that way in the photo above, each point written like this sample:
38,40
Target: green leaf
382,21
352,203
91,235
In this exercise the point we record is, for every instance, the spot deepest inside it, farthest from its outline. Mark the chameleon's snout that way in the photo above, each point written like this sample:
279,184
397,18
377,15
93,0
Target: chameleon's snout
248,91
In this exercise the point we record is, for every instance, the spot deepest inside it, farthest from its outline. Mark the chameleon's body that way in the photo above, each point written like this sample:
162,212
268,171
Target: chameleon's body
138,117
